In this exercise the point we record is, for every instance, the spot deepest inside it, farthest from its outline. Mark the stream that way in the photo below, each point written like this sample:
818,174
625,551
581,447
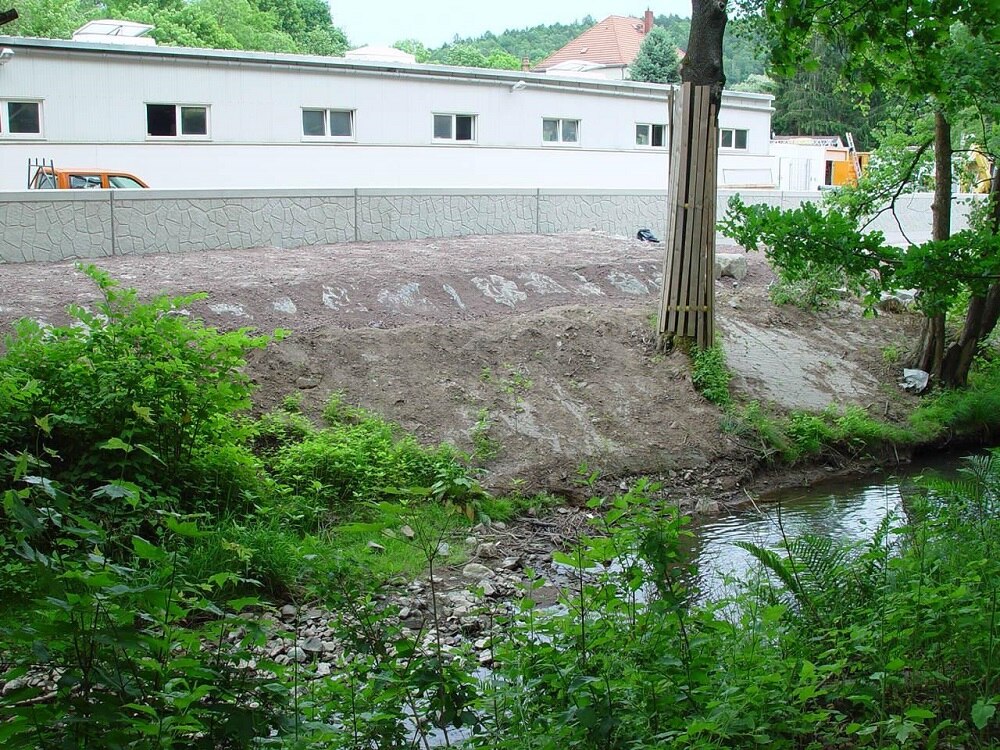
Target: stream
845,509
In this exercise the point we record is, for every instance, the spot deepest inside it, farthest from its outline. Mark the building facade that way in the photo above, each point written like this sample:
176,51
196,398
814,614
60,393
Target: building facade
194,118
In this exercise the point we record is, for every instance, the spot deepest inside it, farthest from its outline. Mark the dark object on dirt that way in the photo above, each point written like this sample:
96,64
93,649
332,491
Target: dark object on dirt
646,236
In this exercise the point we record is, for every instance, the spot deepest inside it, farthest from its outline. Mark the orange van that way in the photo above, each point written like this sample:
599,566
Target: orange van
49,178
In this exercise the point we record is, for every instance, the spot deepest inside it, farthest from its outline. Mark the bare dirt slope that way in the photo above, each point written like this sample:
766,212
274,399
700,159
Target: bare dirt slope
544,342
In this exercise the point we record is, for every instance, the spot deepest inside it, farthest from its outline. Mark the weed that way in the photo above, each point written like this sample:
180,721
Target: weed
710,376
485,447
890,355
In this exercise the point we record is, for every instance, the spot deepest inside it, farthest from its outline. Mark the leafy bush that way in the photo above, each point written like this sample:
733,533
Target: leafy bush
362,460
135,390
135,653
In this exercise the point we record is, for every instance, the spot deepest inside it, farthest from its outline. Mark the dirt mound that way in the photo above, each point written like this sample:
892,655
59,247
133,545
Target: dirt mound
534,353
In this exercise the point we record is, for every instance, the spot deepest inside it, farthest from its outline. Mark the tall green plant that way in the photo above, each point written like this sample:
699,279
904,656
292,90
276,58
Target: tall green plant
137,386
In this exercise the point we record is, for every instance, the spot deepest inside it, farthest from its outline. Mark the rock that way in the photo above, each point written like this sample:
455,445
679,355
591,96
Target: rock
499,525
477,572
376,547
482,643
485,658
307,381
488,588
471,540
898,301
510,563
733,265
706,507
298,655
313,645
407,532
443,549
288,611
323,668
487,550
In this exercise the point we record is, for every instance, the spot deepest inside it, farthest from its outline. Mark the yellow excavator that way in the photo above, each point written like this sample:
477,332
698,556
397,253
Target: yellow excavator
977,172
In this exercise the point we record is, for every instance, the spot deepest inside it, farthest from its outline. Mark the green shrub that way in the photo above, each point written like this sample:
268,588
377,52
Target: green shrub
352,462
135,390
710,375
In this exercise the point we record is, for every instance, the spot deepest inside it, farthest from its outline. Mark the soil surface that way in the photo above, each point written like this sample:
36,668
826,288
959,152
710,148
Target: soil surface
536,354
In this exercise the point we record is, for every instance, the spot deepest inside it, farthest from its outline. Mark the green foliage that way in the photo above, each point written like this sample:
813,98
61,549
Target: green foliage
808,243
710,376
141,653
657,61
358,460
136,388
301,26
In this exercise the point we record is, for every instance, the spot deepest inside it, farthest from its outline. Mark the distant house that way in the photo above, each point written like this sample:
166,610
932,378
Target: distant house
605,50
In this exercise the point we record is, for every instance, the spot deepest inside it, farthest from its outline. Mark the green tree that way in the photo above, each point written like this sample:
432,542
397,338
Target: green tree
657,61
501,60
415,48
270,25
54,19
937,53
466,56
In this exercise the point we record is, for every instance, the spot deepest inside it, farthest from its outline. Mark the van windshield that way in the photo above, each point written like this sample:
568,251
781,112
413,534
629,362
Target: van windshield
121,181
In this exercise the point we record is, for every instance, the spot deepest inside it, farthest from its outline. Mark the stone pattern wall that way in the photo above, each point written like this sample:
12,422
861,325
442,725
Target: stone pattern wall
186,224
57,228
418,214
60,225
621,214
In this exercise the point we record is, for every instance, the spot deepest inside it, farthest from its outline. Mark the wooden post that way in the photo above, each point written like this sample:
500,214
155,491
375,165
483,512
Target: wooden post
687,298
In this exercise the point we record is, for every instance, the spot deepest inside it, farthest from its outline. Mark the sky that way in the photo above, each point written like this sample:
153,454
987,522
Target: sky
435,22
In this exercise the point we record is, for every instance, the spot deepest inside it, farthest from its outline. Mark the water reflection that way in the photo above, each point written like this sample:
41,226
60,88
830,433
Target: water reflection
847,510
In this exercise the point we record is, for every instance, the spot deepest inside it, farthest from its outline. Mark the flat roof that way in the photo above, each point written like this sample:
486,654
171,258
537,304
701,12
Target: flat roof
635,89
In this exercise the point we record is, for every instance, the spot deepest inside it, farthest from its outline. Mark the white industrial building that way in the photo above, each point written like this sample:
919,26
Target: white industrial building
198,118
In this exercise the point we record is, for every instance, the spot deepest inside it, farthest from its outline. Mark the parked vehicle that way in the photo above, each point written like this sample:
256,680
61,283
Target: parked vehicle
44,175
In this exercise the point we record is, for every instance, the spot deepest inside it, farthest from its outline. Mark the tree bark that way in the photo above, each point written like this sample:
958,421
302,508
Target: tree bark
932,341
981,317
702,63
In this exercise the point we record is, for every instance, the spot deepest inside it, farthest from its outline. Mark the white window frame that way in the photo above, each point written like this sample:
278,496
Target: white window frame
326,137
733,131
560,143
5,133
207,136
650,125
454,128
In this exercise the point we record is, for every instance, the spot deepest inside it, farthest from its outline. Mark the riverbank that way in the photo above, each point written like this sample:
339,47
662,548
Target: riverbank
533,354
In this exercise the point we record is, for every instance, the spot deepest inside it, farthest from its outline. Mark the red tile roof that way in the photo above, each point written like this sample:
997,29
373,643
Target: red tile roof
613,41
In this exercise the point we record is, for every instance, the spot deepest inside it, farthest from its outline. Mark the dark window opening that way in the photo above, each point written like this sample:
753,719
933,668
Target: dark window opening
161,119
463,128
23,117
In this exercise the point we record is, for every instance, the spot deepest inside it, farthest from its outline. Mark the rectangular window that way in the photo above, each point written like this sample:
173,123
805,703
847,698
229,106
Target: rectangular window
20,119
456,128
560,131
328,123
176,120
651,135
733,138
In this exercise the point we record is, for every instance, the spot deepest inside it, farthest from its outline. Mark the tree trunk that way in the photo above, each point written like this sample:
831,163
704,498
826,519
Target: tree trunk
702,64
688,293
932,341
981,317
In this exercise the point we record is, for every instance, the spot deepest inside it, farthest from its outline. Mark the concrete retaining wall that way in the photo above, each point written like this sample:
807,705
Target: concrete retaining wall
61,225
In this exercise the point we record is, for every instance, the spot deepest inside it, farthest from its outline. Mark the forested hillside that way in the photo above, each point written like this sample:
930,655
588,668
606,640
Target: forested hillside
506,50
